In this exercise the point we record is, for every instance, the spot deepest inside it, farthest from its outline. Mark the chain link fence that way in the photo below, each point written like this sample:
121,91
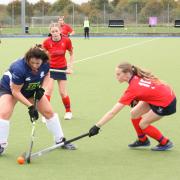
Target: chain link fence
135,22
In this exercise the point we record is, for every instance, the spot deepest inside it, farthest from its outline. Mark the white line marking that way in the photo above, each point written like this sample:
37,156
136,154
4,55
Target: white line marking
115,50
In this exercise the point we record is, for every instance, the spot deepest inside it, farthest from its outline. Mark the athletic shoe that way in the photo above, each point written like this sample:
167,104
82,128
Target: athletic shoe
68,146
1,149
43,119
165,147
139,143
68,116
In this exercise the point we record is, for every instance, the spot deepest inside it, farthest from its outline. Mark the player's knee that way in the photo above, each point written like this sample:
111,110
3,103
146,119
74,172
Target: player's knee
4,115
134,114
63,94
143,124
48,114
48,91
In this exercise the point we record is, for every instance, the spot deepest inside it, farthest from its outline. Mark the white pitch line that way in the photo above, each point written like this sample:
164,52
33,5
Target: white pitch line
115,50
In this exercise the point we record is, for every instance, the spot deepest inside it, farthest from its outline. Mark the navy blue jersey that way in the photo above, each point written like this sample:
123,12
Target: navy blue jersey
21,74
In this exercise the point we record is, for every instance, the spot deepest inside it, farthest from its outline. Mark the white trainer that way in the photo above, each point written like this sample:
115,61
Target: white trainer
43,119
68,116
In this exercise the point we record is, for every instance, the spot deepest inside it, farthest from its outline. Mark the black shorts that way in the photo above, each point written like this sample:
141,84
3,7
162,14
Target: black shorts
3,91
164,111
58,75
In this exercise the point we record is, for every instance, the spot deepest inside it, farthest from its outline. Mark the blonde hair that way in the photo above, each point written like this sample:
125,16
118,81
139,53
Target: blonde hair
134,70
53,25
61,17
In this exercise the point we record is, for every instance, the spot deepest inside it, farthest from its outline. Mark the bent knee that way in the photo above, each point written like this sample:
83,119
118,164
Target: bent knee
48,114
5,116
143,124
134,114
63,94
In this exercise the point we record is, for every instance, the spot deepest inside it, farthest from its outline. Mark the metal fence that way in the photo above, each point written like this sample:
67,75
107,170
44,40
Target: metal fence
39,24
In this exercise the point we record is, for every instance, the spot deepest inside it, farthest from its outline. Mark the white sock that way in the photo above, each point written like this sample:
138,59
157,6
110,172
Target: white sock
4,132
54,126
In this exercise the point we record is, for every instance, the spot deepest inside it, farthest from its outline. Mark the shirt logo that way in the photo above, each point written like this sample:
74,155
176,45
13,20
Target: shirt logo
160,110
42,74
28,78
14,76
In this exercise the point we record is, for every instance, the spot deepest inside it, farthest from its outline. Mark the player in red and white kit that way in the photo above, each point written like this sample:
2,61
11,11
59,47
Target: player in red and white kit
65,29
57,45
154,99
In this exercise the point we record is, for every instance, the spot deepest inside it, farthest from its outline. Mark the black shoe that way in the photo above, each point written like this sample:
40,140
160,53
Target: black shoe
139,143
165,147
1,150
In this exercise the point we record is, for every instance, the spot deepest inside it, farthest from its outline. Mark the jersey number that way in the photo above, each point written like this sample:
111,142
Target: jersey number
144,83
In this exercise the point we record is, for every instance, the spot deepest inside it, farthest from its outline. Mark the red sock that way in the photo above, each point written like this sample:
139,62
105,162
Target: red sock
155,134
140,133
67,104
48,97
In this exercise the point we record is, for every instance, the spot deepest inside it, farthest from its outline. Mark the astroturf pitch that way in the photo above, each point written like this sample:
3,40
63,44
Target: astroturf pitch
94,90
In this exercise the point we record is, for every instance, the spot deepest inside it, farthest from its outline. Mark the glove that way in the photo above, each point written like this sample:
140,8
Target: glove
33,113
94,131
39,93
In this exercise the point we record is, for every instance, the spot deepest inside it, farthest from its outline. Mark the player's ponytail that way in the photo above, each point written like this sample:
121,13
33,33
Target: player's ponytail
134,70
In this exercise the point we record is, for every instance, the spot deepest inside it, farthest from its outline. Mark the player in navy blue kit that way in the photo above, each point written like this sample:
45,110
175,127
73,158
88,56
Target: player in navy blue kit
21,82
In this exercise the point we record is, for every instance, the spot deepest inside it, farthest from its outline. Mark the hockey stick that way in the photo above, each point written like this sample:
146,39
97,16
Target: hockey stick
28,155
58,70
44,151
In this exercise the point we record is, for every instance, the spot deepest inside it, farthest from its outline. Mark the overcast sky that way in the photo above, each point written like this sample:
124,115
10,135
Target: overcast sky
34,1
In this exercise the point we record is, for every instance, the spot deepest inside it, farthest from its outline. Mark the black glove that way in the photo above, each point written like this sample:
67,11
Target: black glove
33,113
94,131
39,93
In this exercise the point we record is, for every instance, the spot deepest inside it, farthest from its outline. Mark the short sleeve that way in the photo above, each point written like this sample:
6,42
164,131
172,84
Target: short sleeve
45,45
127,97
69,44
18,77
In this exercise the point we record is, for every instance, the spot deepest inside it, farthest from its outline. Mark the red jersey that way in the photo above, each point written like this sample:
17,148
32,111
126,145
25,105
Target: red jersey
57,51
65,29
157,94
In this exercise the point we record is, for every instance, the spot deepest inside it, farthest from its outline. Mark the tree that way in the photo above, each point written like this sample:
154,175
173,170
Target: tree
41,8
60,6
99,4
14,7
3,14
85,8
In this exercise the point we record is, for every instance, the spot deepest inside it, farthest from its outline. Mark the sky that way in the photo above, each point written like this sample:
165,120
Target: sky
34,1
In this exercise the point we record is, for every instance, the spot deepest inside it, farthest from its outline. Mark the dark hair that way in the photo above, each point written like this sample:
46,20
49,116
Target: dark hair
36,52
134,70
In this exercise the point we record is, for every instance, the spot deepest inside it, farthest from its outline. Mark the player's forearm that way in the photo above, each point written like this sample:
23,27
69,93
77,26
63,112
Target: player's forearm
71,60
107,117
21,98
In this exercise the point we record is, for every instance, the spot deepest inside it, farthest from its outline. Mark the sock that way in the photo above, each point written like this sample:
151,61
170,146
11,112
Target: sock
4,132
141,136
67,104
54,126
155,134
48,97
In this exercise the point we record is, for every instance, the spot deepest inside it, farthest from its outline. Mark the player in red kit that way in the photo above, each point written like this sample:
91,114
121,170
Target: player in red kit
57,45
65,29
154,99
